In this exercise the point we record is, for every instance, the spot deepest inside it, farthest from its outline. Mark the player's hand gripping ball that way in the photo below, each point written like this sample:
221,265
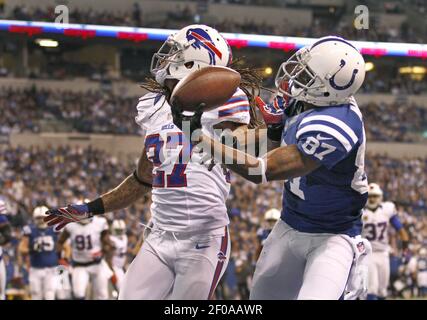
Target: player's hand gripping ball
188,123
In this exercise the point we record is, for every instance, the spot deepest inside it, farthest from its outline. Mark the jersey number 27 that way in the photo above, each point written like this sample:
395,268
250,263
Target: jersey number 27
154,144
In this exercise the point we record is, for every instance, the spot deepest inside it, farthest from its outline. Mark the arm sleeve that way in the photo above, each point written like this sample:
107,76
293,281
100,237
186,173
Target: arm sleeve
393,217
396,223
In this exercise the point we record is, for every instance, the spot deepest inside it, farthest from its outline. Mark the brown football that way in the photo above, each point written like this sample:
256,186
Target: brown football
210,85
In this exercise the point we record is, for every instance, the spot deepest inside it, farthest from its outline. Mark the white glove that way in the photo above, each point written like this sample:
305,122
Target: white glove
357,284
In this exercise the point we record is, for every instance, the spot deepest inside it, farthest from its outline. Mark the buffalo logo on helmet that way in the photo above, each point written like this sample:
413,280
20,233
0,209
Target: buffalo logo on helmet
202,39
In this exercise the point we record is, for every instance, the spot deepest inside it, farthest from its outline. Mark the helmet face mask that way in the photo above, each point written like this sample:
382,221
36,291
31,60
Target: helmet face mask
118,232
85,221
118,227
374,201
296,72
169,52
375,196
38,221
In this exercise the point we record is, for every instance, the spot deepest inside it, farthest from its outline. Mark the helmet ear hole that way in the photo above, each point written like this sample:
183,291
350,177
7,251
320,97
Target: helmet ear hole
189,64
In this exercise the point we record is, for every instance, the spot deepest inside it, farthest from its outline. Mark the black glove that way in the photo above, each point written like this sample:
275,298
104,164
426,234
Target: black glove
195,120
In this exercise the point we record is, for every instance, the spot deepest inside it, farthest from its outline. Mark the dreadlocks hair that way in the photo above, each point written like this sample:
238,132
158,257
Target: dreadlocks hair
251,80
250,83
151,85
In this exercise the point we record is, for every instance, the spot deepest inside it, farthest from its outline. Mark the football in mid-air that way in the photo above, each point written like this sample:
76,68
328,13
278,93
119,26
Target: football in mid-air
212,86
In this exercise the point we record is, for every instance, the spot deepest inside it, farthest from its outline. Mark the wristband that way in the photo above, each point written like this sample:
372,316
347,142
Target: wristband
263,169
96,206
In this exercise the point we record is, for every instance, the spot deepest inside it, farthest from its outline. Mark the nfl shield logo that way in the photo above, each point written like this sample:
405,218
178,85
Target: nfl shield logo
221,256
360,247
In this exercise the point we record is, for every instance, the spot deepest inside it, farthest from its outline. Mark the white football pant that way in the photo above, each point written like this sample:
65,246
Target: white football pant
182,266
99,275
120,274
2,280
63,283
422,279
42,283
379,273
303,266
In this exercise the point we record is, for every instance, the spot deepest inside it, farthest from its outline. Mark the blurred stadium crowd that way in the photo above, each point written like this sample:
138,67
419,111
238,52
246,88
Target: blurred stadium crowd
31,176
182,15
63,175
96,112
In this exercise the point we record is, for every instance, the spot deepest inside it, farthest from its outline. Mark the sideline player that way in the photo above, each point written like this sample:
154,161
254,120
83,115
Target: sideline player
89,243
120,242
271,217
320,152
377,217
417,265
187,247
5,237
39,243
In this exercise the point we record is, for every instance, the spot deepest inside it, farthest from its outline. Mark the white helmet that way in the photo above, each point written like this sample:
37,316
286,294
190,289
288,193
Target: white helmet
423,252
118,226
38,214
191,48
329,72
272,214
375,196
3,206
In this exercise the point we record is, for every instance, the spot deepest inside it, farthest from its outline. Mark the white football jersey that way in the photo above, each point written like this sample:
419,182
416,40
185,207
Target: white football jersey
186,196
376,225
121,245
85,239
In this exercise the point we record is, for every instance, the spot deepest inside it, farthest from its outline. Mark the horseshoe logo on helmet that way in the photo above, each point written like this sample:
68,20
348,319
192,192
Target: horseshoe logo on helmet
346,86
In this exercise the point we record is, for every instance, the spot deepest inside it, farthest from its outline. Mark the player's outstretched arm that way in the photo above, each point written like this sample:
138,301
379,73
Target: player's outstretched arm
131,189
279,164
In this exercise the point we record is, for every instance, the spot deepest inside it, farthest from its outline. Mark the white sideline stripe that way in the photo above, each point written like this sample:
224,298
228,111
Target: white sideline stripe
320,127
335,121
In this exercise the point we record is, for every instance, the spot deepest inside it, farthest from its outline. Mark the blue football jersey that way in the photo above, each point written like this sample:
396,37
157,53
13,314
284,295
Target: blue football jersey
329,199
3,220
42,243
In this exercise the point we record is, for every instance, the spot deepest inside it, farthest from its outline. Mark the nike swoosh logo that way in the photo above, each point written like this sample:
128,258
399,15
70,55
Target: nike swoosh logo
319,137
201,247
